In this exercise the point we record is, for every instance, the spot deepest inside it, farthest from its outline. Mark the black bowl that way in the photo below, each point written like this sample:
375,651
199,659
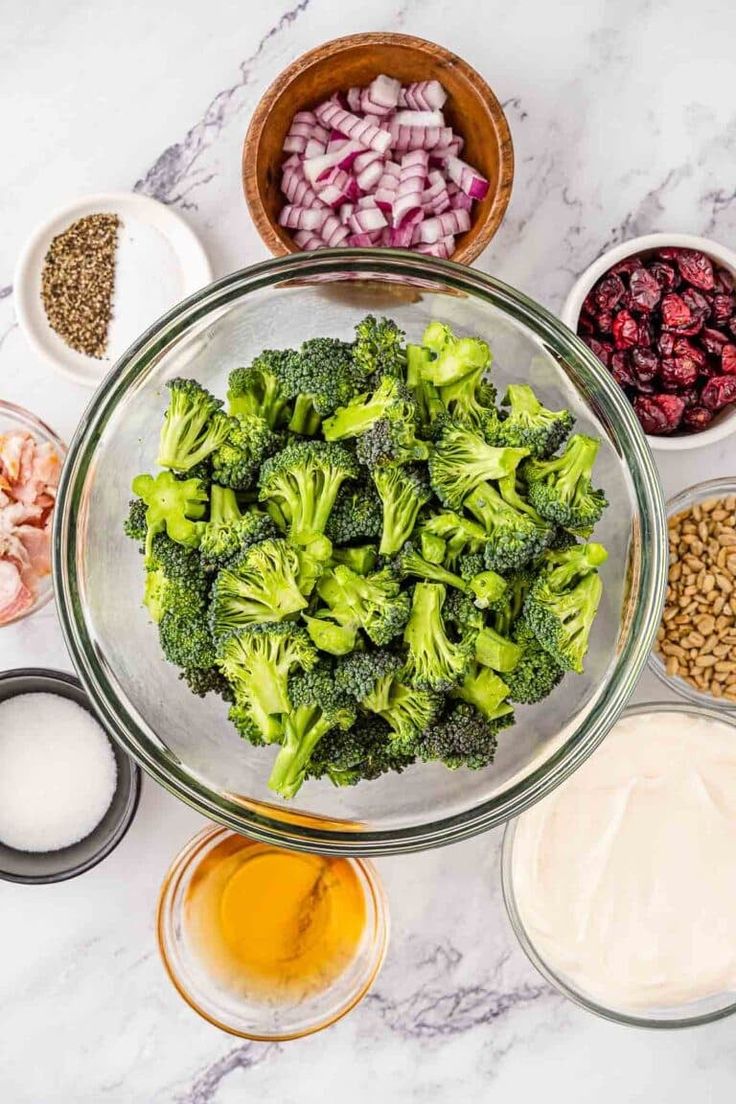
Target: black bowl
39,867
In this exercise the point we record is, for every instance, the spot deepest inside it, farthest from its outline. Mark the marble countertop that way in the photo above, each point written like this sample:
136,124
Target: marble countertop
623,122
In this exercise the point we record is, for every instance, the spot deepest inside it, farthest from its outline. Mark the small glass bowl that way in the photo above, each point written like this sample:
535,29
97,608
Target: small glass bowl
703,1011
250,1018
15,417
683,500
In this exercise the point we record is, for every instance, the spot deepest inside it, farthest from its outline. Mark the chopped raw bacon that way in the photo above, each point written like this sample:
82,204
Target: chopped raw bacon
15,597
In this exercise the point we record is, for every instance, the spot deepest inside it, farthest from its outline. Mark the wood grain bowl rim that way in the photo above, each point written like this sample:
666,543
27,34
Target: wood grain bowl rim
477,238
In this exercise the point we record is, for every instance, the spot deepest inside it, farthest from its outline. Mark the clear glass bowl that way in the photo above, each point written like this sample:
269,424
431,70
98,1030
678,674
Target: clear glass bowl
15,417
684,500
251,1016
684,1015
186,743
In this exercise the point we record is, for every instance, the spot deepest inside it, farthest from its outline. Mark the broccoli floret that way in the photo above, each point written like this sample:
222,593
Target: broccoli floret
207,680
373,603
378,349
314,559
261,585
356,515
362,559
390,400
457,370
300,484
505,613
560,489
319,379
562,603
257,661
530,425
186,640
193,427
134,525
403,491
470,565
363,752
536,674
509,487
249,441
410,563
370,678
496,651
241,717
390,441
172,506
461,459
462,612
463,738
358,675
513,538
488,589
258,389
461,536
433,662
176,581
486,691
328,635
317,706
228,532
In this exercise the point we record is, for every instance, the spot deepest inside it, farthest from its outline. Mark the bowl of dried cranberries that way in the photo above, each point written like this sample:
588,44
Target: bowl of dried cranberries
660,313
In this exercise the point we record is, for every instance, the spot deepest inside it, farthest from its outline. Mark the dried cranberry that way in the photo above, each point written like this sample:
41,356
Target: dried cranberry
602,349
668,253
666,344
691,397
719,392
586,325
644,289
712,367
677,373
712,340
696,418
697,303
685,348
731,325
626,266
645,364
696,268
625,330
722,308
608,292
728,360
665,275
605,322
676,314
724,280
646,332
659,413
589,305
621,369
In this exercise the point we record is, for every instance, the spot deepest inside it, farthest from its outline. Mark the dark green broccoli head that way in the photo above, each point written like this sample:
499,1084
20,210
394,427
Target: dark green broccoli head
135,527
319,379
261,585
403,491
463,738
378,349
536,674
186,640
250,728
461,459
362,753
228,532
193,427
562,603
391,401
176,581
359,674
530,425
258,389
373,603
300,485
461,611
560,489
370,678
357,514
249,441
513,538
172,506
391,440
207,680
433,661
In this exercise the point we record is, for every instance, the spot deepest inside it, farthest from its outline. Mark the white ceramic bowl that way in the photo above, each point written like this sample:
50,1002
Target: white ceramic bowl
725,422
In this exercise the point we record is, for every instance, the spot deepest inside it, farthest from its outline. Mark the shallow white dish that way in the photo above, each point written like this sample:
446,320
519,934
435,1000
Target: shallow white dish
725,422
159,261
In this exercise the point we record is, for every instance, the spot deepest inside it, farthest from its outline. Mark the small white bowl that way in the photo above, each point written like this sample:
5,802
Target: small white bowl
725,422
159,261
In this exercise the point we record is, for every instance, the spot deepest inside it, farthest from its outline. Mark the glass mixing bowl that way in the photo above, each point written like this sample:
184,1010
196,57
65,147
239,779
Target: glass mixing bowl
187,743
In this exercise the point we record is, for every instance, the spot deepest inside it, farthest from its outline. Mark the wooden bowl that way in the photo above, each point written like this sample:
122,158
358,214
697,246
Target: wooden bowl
471,109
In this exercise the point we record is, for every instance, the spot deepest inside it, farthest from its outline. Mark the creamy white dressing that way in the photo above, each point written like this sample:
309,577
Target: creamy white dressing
625,876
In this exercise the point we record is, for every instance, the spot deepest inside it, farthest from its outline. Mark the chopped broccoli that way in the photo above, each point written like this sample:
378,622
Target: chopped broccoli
378,349
506,613
258,389
358,754
560,489
463,738
173,506
455,357
249,440
461,611
433,662
488,589
134,525
434,549
261,585
361,558
536,674
390,400
320,378
461,535
373,603
194,426
257,661
176,581
328,635
530,425
301,484
316,707
563,601
357,514
403,491
371,679
207,680
461,459
410,563
186,640
314,559
496,651
486,691
229,532
390,441
513,538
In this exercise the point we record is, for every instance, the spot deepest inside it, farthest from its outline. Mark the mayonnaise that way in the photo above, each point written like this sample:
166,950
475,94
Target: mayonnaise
625,876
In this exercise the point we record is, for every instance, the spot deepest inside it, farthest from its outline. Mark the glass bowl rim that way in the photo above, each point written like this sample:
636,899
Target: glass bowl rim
181,865
698,492
28,420
530,950
310,832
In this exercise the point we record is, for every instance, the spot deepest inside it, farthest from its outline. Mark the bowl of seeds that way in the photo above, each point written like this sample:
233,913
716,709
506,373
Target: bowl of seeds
695,652
96,274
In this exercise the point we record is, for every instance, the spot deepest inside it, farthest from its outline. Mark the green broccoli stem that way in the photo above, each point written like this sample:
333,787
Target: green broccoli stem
495,651
224,507
413,564
304,420
303,730
575,464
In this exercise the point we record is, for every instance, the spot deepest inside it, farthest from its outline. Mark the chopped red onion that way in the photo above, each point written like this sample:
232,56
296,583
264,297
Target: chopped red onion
418,119
364,241
345,211
352,97
298,190
366,220
451,222
314,148
302,218
384,91
423,96
307,241
317,168
336,188
360,130
458,200
466,178
444,248
332,232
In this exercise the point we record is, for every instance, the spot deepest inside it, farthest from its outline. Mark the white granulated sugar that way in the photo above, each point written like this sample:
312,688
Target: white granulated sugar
57,772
